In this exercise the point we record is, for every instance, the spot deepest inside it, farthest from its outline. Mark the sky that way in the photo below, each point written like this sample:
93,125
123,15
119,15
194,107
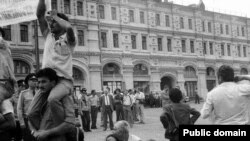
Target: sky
234,7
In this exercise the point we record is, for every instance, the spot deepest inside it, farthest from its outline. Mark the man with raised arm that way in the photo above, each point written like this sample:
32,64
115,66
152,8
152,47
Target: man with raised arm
59,45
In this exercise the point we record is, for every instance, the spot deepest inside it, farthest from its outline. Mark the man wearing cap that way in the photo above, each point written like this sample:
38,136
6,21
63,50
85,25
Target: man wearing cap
14,99
23,104
85,109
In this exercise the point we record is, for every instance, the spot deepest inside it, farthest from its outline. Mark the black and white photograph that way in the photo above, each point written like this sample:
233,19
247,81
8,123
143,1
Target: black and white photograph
124,70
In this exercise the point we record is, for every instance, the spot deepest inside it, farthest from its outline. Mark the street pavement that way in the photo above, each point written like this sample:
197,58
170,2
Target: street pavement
152,129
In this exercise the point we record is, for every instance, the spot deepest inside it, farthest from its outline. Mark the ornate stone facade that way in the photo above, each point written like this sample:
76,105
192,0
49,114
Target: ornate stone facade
184,49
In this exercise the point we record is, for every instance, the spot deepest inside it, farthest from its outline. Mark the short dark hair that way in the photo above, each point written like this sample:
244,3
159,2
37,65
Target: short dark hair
130,90
92,91
175,95
2,32
119,90
63,16
108,88
20,82
49,73
83,90
226,73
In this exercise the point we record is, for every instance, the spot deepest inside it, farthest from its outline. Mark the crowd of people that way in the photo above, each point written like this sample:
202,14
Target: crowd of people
153,100
128,105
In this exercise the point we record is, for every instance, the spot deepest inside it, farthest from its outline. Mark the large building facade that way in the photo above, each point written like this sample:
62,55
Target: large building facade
145,44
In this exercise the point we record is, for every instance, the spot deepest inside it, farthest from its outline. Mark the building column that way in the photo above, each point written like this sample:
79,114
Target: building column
155,80
202,84
92,38
128,77
180,81
95,78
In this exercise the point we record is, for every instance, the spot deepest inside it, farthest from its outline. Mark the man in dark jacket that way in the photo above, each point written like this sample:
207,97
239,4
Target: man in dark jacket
107,104
177,113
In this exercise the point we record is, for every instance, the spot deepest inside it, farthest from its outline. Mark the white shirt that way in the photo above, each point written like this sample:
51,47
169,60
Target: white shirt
141,95
133,98
127,100
134,138
227,104
106,99
58,56
6,107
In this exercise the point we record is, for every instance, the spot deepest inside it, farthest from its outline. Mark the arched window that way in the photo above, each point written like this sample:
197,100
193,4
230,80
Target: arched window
111,68
21,67
140,69
210,72
243,71
190,72
77,74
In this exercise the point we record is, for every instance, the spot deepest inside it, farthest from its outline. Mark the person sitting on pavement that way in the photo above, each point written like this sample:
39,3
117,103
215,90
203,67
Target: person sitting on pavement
121,133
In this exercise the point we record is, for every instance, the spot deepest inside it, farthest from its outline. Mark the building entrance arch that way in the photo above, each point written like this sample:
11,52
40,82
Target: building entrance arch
167,82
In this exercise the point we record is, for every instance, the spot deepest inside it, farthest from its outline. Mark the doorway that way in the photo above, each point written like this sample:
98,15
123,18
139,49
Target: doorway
166,81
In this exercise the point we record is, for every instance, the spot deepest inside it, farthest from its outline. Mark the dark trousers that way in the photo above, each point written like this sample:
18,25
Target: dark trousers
119,112
128,115
5,136
108,113
94,111
197,99
135,113
86,120
26,132
17,132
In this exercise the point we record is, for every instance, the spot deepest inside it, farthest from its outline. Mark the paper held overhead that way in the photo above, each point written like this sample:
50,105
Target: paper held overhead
17,11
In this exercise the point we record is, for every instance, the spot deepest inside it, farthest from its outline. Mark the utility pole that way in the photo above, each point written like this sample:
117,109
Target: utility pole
36,45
